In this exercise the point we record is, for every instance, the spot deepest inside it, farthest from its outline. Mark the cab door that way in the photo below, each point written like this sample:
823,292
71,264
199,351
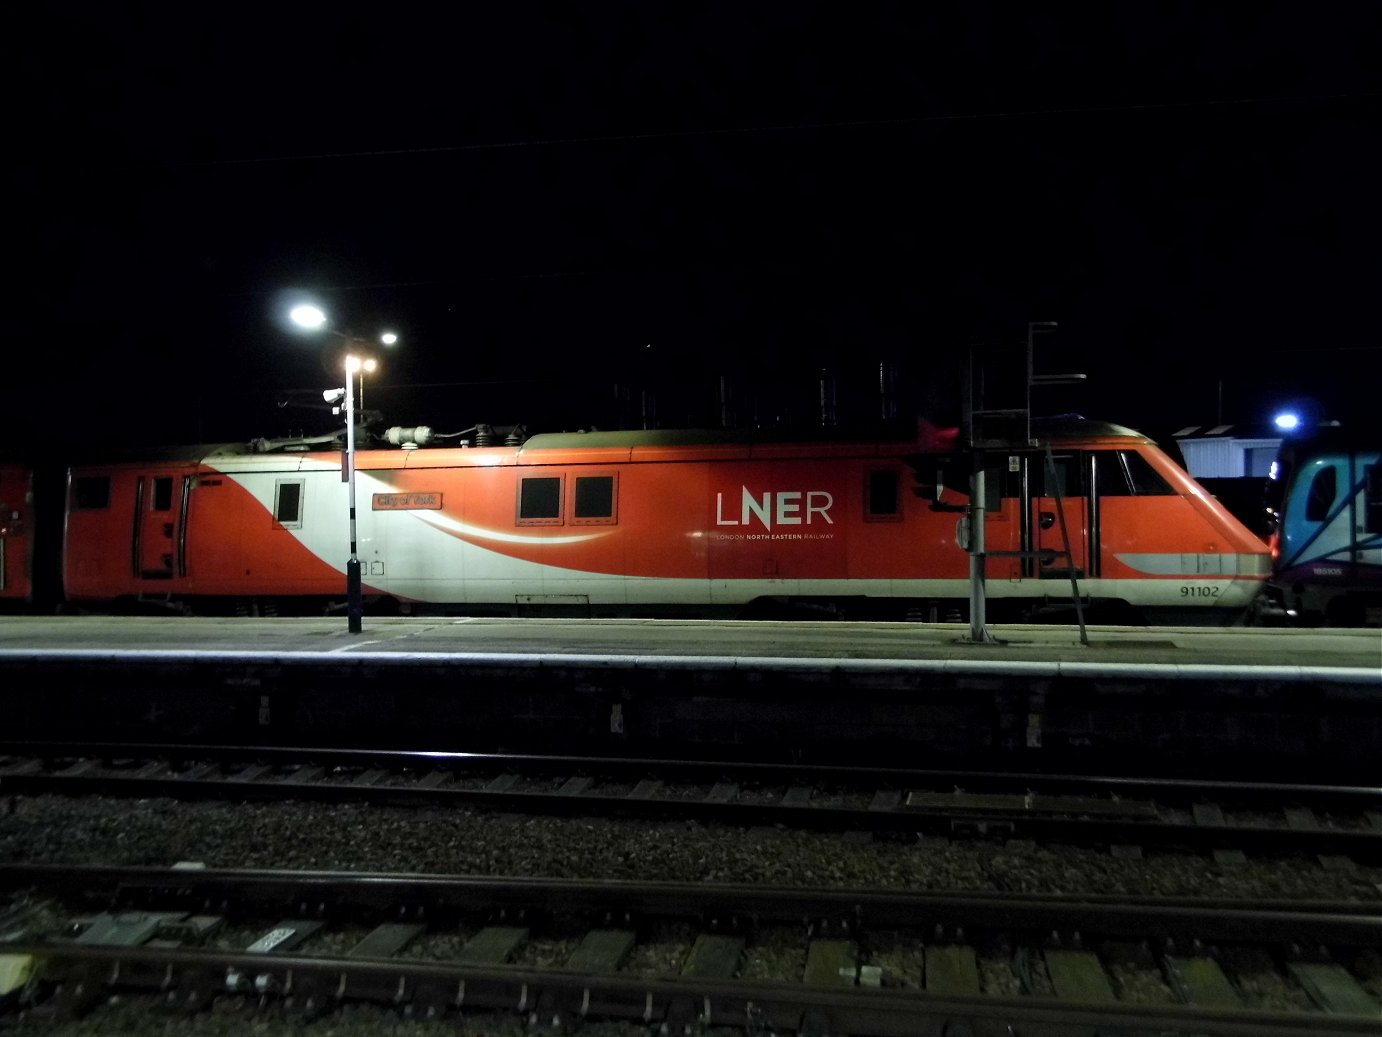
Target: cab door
159,512
1003,481
16,503
1060,484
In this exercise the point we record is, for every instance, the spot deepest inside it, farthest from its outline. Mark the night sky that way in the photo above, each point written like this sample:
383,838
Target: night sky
566,209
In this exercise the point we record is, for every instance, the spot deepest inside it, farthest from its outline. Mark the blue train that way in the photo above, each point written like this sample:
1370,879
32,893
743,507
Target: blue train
1327,548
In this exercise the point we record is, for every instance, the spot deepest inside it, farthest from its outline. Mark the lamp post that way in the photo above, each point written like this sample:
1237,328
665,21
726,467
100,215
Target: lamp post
355,605
313,318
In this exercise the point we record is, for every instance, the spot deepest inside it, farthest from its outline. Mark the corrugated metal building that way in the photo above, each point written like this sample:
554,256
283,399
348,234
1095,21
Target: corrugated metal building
1228,451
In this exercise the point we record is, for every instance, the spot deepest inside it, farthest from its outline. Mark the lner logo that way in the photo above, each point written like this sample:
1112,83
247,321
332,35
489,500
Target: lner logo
777,508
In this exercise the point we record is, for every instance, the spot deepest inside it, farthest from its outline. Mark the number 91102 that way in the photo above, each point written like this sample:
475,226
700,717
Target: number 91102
1198,591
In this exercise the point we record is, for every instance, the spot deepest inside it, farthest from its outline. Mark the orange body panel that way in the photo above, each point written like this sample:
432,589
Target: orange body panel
227,545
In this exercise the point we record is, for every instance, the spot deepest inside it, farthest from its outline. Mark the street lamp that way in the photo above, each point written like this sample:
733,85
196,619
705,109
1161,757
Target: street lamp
355,606
365,365
312,318
305,315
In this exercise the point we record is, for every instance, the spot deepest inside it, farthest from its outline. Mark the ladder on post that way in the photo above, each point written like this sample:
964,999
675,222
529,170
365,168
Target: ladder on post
978,629
979,446
1065,543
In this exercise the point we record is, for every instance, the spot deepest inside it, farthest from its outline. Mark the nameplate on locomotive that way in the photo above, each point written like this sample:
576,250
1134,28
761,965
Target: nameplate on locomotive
407,502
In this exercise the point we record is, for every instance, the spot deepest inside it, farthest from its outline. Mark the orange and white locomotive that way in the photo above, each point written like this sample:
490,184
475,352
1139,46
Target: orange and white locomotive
663,523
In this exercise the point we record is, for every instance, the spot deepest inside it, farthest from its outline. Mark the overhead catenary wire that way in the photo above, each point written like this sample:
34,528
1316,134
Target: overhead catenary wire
786,127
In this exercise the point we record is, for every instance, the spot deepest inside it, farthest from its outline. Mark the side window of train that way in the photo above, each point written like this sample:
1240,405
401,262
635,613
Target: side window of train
162,499
595,501
1126,473
1111,475
539,501
90,493
1324,488
882,499
1372,498
288,503
999,482
1068,478
1146,480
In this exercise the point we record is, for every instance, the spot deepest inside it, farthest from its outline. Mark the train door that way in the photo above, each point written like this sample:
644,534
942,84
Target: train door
16,503
1003,525
1060,489
160,510
1368,520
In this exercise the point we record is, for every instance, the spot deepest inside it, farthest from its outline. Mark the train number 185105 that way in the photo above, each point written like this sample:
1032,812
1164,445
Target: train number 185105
1198,591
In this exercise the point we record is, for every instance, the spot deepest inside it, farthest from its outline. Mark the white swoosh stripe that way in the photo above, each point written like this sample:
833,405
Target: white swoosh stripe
449,524
1191,564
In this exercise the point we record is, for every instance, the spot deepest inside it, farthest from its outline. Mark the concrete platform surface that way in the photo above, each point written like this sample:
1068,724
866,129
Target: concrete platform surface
1356,654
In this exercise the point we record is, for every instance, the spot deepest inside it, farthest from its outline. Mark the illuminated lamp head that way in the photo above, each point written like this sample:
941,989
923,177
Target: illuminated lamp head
307,316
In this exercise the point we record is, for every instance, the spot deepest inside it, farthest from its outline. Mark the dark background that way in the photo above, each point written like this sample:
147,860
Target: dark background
566,210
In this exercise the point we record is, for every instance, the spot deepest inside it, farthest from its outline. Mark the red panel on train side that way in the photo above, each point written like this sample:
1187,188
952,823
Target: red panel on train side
236,546
121,542
16,533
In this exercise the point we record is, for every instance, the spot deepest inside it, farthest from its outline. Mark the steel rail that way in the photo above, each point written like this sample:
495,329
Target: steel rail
1343,923
562,996
1047,819
1364,796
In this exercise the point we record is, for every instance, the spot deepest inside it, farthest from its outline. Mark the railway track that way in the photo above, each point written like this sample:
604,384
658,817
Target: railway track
1340,826
683,957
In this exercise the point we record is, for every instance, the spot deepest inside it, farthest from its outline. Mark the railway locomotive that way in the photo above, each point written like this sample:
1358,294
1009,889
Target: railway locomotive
664,523
1327,547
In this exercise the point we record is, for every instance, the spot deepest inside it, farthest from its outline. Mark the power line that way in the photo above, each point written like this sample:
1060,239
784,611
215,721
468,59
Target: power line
726,131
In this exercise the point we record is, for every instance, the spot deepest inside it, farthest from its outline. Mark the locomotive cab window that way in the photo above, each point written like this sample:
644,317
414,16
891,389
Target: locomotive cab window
1324,488
90,493
539,501
1002,479
288,503
1063,477
1126,473
882,501
594,502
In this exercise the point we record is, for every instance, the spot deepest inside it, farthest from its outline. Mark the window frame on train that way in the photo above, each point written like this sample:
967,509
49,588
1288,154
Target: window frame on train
1372,498
281,501
890,481
601,511
548,501
1317,506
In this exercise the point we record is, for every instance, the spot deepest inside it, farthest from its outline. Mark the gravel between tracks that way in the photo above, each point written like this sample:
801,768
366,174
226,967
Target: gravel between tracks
161,832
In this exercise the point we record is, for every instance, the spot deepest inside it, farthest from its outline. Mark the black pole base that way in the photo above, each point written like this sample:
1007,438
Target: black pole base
355,603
